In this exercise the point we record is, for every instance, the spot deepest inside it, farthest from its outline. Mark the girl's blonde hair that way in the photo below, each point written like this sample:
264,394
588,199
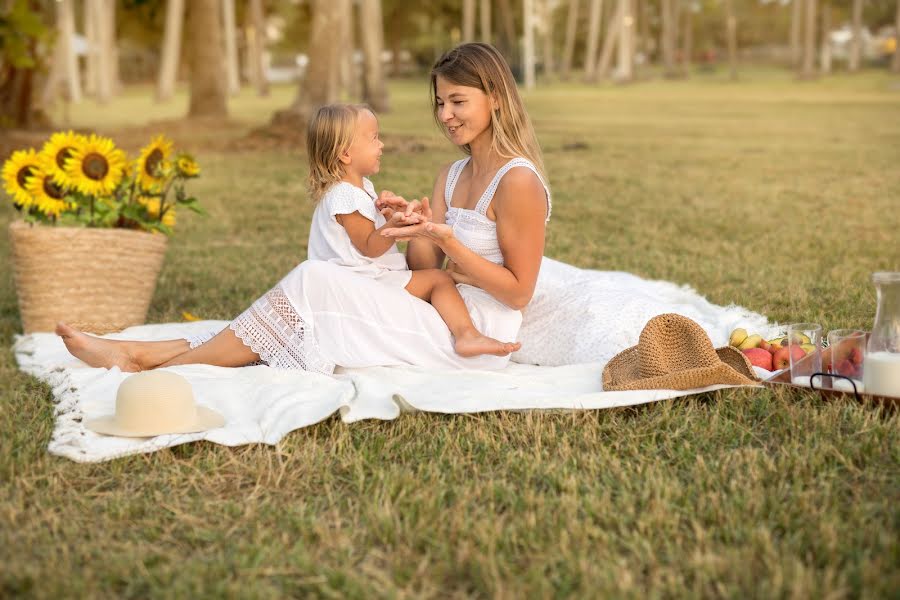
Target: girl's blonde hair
330,133
482,66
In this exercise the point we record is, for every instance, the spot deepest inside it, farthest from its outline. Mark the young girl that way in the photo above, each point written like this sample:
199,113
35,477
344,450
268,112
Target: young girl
344,148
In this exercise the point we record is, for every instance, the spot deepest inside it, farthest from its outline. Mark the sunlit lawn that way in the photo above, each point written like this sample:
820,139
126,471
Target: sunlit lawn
779,196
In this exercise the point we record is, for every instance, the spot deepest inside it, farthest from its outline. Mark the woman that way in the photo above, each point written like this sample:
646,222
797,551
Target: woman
487,215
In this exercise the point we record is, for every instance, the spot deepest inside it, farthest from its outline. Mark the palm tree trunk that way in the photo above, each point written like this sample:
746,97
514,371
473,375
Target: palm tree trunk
104,44
468,17
731,32
528,42
613,30
258,18
569,44
485,18
856,41
625,70
687,40
171,50
667,38
796,29
547,38
372,34
64,68
809,42
208,87
231,59
825,52
590,54
509,31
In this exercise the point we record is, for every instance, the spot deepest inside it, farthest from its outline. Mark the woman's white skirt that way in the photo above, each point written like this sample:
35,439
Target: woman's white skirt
323,315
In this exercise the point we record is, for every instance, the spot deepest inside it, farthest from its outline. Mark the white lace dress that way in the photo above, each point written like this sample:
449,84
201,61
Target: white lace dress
324,314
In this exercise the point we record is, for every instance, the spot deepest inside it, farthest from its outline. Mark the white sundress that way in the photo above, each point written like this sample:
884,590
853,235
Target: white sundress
323,314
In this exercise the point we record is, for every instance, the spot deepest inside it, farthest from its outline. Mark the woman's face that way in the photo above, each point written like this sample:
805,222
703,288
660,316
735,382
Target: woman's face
464,111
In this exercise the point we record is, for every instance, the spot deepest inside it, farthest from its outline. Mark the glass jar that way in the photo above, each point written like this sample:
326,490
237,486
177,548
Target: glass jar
881,373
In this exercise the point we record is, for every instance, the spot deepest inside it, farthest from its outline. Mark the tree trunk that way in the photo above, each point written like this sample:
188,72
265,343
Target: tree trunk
231,58
667,38
809,42
825,52
104,50
796,29
613,30
64,69
569,44
547,39
528,42
171,50
731,32
208,88
91,54
372,33
112,44
259,47
624,69
509,31
485,14
590,53
319,87
895,63
468,17
853,59
687,40
645,29
346,49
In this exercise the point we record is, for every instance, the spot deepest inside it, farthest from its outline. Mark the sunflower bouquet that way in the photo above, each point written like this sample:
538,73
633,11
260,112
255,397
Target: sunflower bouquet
86,180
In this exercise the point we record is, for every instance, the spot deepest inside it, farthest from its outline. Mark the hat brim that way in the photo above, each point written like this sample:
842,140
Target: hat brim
206,419
622,373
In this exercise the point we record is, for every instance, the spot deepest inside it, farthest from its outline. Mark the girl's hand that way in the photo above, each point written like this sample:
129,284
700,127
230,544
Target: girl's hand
390,200
398,219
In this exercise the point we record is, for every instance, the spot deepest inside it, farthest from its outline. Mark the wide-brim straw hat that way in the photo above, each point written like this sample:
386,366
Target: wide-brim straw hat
674,353
155,403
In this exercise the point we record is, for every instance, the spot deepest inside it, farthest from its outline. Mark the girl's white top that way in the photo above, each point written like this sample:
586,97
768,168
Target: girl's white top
329,241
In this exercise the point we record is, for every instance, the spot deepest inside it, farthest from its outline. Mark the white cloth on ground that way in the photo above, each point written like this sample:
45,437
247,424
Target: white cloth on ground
262,404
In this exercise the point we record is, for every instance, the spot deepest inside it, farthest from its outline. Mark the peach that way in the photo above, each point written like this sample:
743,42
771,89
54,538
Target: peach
759,358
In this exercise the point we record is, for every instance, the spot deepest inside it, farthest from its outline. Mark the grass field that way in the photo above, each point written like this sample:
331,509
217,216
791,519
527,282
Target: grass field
779,196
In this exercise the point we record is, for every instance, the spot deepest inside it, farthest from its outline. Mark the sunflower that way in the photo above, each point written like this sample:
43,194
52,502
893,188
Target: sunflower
21,166
151,205
49,196
96,167
58,148
152,161
187,166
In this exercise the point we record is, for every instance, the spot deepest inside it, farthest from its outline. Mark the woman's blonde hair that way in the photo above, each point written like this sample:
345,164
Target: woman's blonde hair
330,133
482,66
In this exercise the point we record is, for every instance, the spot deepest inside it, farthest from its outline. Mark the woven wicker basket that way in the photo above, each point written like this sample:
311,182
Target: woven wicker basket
97,280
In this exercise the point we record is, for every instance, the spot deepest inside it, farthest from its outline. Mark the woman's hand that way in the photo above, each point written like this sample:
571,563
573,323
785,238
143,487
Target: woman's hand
434,232
458,275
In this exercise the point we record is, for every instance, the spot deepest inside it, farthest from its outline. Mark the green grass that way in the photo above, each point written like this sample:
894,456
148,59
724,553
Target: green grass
779,196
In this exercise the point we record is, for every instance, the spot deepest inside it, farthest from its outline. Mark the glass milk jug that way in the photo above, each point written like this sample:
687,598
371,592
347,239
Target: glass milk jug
881,372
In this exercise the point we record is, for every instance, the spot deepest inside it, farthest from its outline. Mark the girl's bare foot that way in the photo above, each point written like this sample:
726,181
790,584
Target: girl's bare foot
97,352
475,344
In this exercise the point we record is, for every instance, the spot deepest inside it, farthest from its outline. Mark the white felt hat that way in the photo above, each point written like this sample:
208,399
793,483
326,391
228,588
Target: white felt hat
156,403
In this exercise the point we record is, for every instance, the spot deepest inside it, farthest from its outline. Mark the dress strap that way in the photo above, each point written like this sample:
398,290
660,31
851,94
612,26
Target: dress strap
452,177
488,195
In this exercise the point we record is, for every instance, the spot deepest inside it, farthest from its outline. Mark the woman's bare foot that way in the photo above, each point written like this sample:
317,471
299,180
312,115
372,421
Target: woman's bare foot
475,344
97,352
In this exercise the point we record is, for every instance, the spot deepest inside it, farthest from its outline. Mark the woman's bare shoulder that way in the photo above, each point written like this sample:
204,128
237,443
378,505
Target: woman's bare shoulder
520,190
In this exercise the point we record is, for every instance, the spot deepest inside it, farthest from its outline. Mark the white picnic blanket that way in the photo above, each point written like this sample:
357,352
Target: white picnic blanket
261,404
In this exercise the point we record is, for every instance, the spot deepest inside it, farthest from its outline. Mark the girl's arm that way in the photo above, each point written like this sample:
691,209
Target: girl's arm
366,238
423,253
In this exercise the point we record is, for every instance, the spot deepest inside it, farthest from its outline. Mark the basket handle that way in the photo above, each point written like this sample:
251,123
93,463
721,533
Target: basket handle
852,383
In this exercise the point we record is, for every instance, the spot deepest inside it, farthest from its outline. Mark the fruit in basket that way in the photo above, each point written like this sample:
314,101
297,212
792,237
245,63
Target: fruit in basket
759,358
808,348
737,337
776,343
752,341
781,359
765,346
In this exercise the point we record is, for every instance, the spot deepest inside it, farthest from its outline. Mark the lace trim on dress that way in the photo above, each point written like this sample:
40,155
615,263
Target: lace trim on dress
282,339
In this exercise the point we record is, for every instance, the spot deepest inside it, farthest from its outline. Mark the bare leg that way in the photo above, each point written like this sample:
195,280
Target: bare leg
437,287
132,356
225,350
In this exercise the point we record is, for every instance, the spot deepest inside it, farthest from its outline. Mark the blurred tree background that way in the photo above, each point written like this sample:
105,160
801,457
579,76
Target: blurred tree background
58,51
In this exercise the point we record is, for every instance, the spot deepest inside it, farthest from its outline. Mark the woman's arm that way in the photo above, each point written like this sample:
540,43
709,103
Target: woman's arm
520,206
423,253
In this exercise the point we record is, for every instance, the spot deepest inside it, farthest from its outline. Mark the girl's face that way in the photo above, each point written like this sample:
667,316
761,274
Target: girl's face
464,111
364,154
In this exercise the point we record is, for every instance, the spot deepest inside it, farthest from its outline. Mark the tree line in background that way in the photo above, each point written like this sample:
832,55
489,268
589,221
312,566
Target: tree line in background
68,49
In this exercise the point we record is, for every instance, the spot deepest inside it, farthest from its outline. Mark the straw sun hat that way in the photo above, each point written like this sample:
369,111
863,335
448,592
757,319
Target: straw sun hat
674,353
156,403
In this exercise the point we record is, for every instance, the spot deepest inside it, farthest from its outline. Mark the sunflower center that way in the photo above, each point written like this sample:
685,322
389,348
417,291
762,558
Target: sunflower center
61,157
53,190
23,175
95,166
152,162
